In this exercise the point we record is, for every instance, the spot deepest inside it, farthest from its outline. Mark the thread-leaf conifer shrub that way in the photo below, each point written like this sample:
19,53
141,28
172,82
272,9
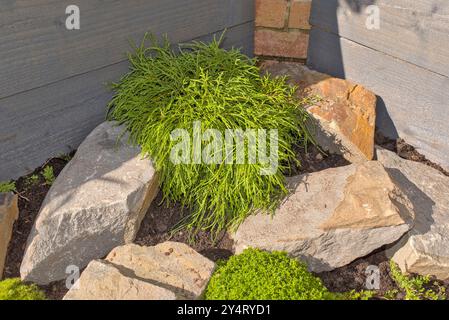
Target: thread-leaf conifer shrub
198,87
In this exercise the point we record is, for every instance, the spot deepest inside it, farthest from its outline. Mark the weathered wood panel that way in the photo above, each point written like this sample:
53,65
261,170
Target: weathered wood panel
52,81
414,31
413,101
37,49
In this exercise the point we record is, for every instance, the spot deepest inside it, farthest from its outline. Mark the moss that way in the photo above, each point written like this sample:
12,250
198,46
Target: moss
14,289
259,275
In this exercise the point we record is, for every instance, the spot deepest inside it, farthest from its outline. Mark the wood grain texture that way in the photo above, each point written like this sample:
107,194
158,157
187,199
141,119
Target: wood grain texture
414,31
413,101
53,110
36,48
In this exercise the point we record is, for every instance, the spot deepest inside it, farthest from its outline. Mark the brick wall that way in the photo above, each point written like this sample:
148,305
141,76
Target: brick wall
282,28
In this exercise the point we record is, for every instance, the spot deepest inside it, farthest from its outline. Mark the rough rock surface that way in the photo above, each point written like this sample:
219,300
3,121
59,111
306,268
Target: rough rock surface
102,281
332,217
96,203
9,212
167,271
345,112
171,265
425,249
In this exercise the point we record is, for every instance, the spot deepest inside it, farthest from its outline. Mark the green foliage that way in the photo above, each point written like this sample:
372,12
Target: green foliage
357,295
8,186
32,180
48,175
168,90
14,289
415,288
260,275
66,157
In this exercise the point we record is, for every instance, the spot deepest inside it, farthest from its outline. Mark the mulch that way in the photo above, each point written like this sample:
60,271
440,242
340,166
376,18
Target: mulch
162,217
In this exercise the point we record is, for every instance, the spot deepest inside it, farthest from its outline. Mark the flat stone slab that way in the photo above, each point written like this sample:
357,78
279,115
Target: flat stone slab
425,248
9,212
332,217
96,203
102,281
171,265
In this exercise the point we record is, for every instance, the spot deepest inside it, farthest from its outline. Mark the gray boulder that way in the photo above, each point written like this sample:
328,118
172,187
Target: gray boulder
96,203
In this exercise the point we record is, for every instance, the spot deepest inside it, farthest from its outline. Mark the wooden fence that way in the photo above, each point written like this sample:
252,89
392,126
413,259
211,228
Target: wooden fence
52,80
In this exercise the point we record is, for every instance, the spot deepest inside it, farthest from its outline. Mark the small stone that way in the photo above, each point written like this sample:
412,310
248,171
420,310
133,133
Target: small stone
271,13
9,212
103,281
96,203
332,217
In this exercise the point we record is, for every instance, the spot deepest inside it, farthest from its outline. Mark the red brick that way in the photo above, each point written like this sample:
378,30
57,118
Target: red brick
271,13
300,14
291,44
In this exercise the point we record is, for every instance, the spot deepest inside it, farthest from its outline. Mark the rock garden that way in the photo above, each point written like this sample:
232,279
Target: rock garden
177,195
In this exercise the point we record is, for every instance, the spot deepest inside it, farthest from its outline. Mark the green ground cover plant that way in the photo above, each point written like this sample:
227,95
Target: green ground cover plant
14,289
169,89
8,186
415,287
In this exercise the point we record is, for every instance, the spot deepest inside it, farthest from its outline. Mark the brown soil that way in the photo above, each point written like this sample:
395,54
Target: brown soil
313,160
406,151
31,196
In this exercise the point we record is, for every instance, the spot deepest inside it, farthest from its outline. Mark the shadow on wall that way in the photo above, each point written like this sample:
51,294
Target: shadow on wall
336,67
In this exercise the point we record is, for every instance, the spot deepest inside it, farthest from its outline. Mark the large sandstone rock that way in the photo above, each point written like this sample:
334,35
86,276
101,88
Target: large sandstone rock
345,112
332,217
167,271
9,212
172,265
96,203
102,281
425,249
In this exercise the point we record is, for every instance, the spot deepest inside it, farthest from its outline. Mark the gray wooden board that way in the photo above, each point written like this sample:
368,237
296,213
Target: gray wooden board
413,102
36,48
54,119
414,31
